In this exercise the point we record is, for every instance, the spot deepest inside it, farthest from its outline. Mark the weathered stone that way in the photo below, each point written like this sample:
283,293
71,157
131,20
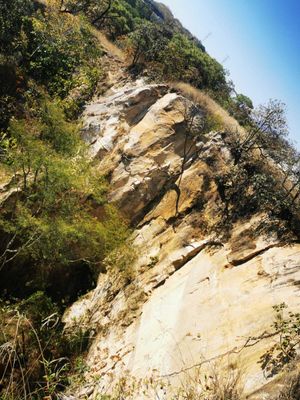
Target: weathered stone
197,298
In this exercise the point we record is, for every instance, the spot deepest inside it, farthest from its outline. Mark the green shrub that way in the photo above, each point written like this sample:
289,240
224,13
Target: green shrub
84,85
183,60
55,46
61,134
50,220
286,328
147,43
37,308
12,14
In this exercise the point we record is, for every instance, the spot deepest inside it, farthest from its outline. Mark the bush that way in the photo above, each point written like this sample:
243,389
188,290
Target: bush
52,49
31,348
286,327
36,357
62,135
55,47
147,43
50,220
12,15
183,60
84,85
175,57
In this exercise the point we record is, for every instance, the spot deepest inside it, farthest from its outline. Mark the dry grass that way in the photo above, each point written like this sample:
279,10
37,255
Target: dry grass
108,46
209,105
225,386
220,384
286,386
291,385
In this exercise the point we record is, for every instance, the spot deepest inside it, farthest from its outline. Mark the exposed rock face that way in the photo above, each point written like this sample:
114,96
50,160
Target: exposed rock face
196,298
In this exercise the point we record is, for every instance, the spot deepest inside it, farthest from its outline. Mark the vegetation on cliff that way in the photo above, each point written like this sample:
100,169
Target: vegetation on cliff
56,224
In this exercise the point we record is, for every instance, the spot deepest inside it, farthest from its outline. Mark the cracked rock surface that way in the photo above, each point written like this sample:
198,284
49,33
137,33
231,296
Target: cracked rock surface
195,296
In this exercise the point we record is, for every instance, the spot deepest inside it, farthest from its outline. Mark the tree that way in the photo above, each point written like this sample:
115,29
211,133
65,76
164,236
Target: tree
120,20
56,47
93,9
55,130
292,172
49,219
12,14
146,43
266,130
177,57
183,60
240,107
244,101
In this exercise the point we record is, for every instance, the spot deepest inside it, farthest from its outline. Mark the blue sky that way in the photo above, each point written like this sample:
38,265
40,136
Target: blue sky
258,41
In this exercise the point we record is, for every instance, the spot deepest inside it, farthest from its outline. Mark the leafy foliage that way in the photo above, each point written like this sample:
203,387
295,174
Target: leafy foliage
50,219
183,60
11,20
60,134
267,128
147,42
239,106
118,17
94,10
56,50
175,57
253,183
287,328
121,20
55,47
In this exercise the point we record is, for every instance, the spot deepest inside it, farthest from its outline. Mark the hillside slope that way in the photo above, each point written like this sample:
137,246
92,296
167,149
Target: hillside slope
192,299
162,12
149,216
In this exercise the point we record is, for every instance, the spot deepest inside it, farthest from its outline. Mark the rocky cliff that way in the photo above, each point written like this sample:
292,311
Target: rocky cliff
192,298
